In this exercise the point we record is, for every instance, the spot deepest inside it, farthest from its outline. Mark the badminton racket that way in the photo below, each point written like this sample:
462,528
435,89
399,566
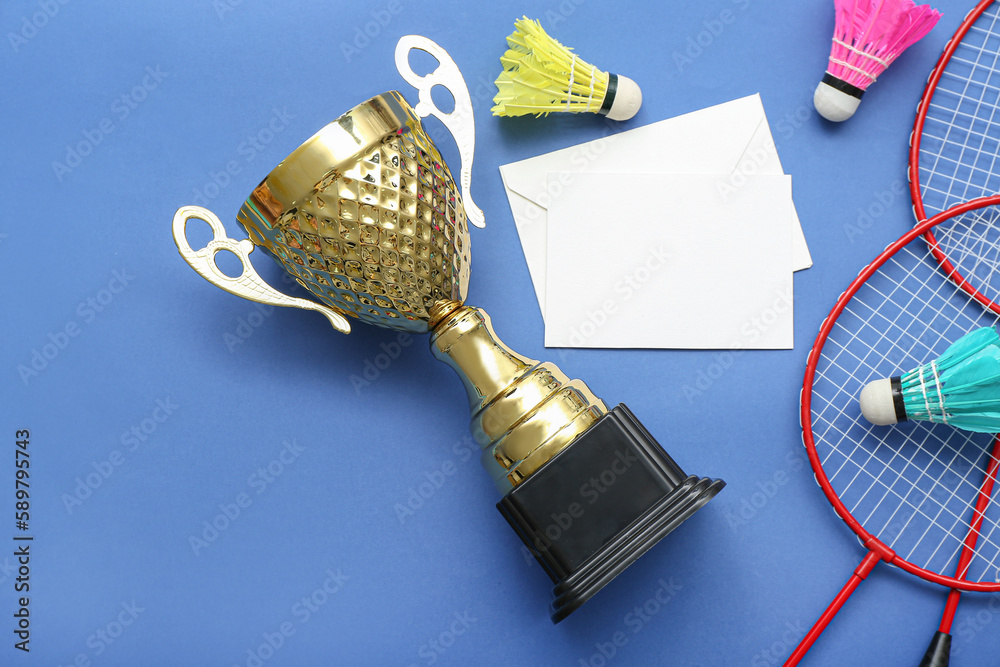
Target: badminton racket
913,494
953,158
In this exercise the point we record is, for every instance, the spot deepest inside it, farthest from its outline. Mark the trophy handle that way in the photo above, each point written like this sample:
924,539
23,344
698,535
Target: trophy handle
460,121
249,284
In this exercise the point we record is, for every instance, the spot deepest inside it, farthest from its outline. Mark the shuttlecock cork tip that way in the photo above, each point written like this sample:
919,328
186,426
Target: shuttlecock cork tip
879,404
834,103
625,99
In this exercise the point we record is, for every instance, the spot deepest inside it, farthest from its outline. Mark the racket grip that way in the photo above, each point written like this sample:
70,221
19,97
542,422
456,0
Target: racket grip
939,652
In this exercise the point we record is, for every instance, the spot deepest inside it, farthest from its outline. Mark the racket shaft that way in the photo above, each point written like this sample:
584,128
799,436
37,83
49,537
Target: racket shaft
975,525
859,575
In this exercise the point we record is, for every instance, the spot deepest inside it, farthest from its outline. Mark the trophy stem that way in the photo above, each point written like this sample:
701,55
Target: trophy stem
587,489
524,412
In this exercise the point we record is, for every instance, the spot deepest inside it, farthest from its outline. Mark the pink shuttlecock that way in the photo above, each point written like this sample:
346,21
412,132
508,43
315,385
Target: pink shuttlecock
868,36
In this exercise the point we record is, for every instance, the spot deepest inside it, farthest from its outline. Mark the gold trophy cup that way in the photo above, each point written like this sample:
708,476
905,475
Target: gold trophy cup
367,217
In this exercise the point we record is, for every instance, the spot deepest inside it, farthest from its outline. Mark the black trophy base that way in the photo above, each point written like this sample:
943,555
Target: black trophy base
599,504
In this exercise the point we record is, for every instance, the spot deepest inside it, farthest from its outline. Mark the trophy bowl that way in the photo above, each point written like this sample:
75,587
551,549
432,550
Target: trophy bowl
367,217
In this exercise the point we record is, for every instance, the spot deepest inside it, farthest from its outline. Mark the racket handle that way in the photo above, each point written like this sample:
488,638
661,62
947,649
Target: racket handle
939,652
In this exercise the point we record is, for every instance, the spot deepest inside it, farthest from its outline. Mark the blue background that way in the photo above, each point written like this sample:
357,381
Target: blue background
749,573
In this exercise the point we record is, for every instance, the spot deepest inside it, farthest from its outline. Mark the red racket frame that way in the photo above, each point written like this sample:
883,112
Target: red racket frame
877,550
913,171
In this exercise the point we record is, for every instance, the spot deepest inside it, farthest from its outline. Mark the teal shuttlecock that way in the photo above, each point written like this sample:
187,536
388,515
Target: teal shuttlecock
960,388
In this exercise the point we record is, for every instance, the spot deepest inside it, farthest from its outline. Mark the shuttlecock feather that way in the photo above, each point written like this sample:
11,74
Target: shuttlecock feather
960,388
540,76
867,37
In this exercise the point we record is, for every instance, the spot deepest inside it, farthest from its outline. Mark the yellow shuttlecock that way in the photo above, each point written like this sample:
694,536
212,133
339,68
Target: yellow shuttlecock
540,76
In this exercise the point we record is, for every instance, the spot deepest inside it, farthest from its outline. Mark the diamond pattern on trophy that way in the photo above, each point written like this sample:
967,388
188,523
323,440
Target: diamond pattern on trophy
382,239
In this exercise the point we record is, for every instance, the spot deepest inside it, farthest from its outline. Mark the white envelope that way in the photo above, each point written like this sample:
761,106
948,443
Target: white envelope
731,138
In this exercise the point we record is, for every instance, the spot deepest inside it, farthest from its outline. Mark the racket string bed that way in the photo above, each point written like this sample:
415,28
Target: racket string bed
973,242
960,138
913,494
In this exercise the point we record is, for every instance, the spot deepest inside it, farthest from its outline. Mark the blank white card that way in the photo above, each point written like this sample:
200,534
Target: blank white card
669,261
